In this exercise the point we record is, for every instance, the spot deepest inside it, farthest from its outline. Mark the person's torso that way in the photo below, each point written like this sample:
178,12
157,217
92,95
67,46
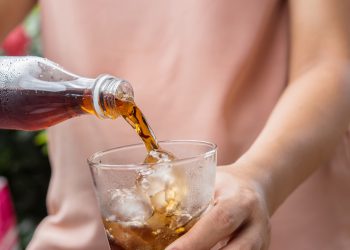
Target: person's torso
209,70
201,69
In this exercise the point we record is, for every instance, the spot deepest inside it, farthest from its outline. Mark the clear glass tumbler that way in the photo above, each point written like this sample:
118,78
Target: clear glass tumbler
148,206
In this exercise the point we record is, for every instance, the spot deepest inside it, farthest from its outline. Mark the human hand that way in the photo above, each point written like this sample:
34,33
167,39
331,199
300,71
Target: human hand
239,218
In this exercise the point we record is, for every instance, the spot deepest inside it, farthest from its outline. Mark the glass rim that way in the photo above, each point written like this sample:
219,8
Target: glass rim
93,163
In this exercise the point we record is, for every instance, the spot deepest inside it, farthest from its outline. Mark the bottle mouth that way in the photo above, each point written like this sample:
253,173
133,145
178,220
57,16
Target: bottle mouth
106,91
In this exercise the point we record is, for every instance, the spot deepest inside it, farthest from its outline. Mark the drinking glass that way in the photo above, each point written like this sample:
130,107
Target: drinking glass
146,206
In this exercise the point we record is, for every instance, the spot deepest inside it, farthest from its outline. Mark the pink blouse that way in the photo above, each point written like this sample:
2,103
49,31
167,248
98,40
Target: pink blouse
201,69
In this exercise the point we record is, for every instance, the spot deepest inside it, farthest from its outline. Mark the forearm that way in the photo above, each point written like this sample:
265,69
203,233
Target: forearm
12,12
302,132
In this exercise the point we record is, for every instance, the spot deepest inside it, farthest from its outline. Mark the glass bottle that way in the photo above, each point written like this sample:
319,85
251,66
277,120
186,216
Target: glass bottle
36,93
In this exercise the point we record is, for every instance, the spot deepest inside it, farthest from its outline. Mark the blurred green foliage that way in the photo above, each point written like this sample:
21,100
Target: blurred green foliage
24,161
32,28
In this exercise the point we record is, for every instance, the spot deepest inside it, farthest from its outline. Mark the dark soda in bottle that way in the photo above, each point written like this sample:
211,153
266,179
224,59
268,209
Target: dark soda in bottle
36,93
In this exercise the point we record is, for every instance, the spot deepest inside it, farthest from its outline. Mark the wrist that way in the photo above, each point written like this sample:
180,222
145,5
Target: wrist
259,172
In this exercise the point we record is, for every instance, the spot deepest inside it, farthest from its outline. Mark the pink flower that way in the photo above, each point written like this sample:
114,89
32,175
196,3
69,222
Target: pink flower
16,43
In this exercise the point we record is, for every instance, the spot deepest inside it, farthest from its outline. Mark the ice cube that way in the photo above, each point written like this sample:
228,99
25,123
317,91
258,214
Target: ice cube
159,202
156,179
165,186
180,219
129,205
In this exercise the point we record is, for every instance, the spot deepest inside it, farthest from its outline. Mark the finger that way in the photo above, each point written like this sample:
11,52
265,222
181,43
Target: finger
220,245
250,238
223,219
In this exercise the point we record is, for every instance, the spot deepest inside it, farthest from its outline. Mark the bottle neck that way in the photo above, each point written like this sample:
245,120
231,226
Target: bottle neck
106,93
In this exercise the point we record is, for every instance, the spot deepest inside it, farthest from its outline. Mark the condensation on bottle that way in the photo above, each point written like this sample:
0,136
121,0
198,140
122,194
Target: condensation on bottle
36,93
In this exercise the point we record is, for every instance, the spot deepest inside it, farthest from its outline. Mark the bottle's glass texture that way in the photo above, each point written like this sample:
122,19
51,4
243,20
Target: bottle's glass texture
36,93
